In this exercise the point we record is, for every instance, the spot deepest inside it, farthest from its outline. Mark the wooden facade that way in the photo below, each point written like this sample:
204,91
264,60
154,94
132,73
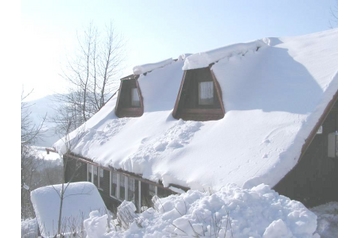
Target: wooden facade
129,100
188,106
136,189
314,180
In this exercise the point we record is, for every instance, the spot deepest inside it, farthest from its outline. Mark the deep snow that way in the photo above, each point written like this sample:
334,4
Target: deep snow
230,212
78,200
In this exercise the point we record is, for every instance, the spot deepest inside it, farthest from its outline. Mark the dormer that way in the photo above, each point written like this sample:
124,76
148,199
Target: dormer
129,100
199,97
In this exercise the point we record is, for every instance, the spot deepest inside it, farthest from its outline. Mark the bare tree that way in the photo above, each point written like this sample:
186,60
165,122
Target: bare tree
334,15
30,132
68,144
71,168
93,76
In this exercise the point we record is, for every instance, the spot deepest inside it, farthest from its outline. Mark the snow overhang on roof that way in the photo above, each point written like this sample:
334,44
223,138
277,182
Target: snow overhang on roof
204,59
145,68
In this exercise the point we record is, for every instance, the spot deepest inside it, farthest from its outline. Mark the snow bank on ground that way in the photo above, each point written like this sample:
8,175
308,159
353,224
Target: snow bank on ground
79,200
327,218
29,228
230,212
327,222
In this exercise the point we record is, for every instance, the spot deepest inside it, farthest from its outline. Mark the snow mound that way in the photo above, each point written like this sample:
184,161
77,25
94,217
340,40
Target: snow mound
327,219
230,212
79,200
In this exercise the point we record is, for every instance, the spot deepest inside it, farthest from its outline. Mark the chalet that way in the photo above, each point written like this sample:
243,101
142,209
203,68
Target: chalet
259,112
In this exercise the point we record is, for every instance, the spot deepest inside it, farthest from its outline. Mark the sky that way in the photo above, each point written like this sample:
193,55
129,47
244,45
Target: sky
224,213
154,31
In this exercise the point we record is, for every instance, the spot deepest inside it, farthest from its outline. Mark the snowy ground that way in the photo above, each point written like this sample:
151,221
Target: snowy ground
230,212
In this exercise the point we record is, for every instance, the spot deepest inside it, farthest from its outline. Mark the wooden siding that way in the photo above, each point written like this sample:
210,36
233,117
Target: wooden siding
187,106
77,171
314,180
124,108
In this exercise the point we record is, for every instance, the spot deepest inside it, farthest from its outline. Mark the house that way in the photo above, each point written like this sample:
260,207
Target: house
265,111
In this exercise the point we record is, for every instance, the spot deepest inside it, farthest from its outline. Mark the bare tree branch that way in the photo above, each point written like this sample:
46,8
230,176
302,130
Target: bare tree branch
93,76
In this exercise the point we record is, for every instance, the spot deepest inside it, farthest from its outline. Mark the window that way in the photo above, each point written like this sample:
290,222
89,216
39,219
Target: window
131,189
89,172
152,190
114,184
95,176
135,97
333,144
122,186
206,93
101,178
320,130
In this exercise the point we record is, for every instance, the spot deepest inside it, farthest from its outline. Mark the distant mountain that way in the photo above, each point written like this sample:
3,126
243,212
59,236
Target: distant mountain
40,108
47,107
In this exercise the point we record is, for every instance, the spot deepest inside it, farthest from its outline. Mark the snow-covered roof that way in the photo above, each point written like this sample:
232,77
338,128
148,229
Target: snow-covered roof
273,97
141,69
79,200
204,59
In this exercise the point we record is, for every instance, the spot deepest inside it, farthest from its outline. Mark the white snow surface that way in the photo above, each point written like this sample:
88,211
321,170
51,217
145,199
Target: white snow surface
230,212
272,97
204,59
141,69
80,199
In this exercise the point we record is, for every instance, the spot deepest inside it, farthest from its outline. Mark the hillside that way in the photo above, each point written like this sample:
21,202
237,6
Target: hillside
44,108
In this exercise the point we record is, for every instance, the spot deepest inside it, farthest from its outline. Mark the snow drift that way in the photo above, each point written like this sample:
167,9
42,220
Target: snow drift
230,212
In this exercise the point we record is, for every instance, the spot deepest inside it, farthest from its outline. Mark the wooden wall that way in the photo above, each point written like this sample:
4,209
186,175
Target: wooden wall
76,171
314,180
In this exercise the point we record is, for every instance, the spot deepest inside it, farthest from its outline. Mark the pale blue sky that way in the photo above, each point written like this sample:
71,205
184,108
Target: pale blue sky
156,30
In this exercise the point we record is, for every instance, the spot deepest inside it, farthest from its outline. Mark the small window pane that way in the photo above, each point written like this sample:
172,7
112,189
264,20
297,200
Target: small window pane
95,176
206,93
89,172
101,178
134,97
114,184
122,187
152,189
333,144
131,189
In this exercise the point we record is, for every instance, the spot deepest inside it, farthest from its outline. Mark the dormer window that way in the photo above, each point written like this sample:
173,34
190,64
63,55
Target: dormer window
199,97
135,97
129,100
206,93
